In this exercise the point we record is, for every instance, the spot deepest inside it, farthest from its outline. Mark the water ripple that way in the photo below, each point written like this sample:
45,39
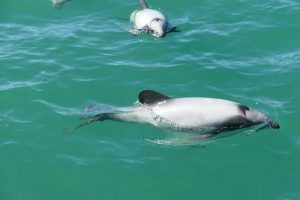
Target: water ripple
19,84
9,142
75,159
60,109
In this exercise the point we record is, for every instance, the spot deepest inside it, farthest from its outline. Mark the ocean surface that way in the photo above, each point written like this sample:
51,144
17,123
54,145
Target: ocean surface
55,63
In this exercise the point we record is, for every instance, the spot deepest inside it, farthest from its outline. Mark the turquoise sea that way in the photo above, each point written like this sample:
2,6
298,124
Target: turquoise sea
56,62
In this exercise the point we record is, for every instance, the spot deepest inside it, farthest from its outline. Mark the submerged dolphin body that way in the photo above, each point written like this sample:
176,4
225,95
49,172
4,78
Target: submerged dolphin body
58,3
207,116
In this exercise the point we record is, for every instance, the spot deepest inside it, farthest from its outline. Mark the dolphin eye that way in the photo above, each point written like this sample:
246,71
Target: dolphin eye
157,19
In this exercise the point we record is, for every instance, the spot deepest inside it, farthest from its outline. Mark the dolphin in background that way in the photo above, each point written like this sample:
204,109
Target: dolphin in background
150,21
58,3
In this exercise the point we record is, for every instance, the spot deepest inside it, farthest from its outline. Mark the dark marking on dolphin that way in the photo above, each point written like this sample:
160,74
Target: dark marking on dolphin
243,108
150,97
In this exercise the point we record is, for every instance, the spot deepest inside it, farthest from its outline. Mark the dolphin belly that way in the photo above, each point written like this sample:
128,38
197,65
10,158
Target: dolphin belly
198,113
143,18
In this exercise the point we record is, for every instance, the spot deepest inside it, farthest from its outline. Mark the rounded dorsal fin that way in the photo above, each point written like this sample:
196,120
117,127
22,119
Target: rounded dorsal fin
143,4
151,97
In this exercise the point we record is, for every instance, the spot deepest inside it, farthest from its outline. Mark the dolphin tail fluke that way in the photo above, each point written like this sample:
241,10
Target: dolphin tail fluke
269,124
144,4
91,119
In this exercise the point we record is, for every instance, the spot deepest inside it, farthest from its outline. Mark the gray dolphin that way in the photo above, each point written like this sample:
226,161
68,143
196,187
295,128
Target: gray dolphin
208,116
58,3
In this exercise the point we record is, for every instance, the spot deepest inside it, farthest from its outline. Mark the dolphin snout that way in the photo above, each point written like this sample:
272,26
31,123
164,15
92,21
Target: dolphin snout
159,34
274,125
269,124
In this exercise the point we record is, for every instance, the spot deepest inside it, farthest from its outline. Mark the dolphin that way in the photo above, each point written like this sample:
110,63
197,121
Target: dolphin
58,3
207,116
150,21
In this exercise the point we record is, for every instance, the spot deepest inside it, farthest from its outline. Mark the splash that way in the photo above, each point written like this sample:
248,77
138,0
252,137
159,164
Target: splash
140,31
180,139
135,31
183,139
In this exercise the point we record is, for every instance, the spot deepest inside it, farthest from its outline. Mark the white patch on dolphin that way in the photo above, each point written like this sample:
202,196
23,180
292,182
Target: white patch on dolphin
149,21
58,3
206,116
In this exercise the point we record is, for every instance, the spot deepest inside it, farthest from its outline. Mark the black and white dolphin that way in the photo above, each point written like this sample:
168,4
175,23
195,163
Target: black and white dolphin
150,21
207,116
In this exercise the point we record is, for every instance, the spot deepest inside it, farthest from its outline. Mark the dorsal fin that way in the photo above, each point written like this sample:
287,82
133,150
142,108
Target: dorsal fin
243,108
144,4
151,97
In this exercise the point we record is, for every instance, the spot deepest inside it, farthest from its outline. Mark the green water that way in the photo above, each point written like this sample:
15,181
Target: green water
54,63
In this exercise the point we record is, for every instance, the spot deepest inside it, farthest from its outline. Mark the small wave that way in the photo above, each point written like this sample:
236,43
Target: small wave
284,62
10,117
181,141
9,142
186,139
142,65
280,151
281,62
279,5
19,84
90,109
60,109
75,159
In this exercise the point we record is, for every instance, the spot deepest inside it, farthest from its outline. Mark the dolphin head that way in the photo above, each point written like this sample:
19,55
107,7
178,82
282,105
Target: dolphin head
259,118
255,116
158,27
